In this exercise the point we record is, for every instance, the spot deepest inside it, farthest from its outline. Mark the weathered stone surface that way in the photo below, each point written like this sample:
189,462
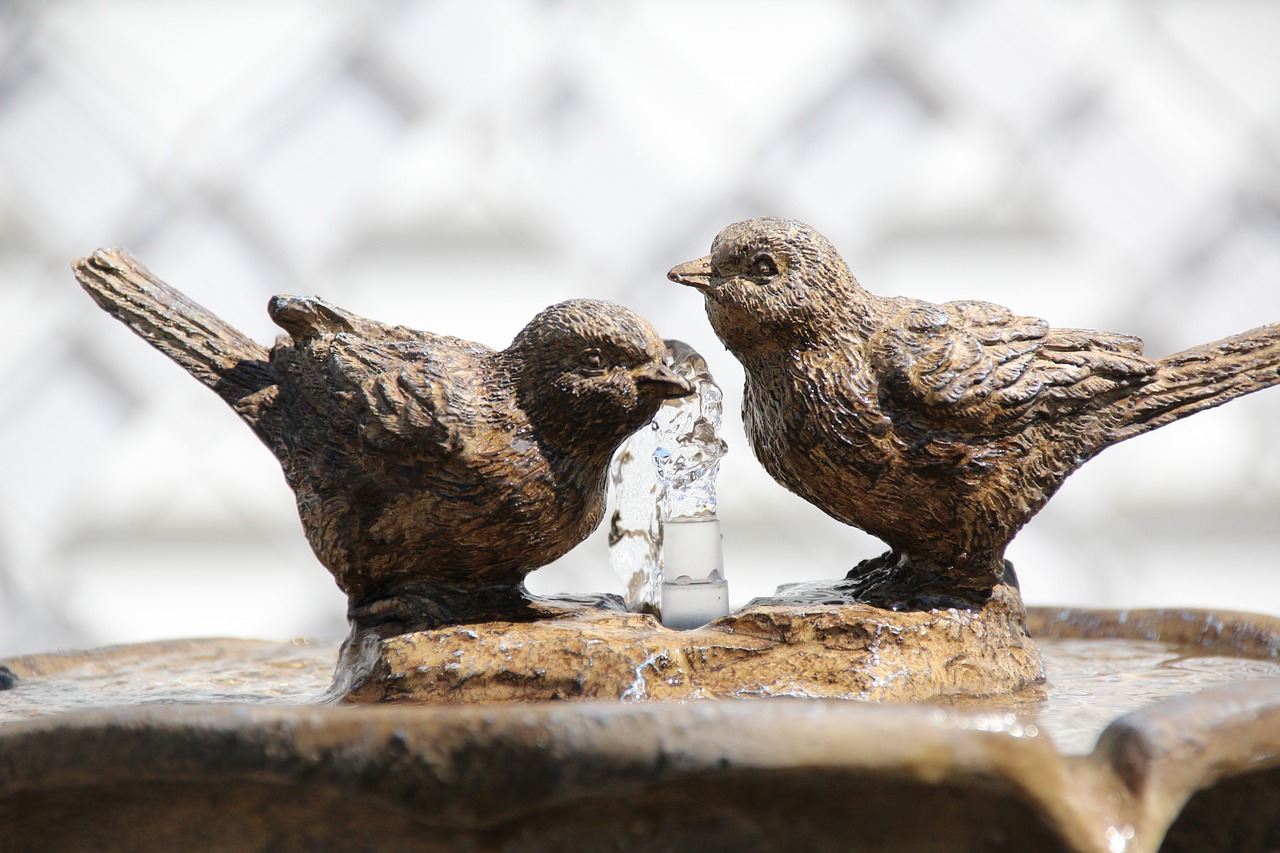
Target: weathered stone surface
207,769
803,650
751,775
1227,632
1162,754
551,776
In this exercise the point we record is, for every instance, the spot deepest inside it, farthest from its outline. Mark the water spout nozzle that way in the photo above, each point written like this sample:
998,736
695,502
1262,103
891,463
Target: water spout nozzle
694,591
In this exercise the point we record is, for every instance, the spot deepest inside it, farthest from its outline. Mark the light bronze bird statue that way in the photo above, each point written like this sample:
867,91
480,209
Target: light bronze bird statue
431,473
940,429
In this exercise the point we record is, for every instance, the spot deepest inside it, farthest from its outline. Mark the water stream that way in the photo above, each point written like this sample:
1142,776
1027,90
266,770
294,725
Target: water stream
665,471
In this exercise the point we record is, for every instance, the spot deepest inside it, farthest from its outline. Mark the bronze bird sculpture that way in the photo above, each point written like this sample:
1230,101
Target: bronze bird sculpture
940,429
431,473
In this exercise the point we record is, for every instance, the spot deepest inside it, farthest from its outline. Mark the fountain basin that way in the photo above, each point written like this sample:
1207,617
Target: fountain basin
234,746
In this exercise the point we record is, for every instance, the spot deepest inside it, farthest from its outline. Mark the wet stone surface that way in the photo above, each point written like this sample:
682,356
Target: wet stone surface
811,651
1088,682
242,745
188,672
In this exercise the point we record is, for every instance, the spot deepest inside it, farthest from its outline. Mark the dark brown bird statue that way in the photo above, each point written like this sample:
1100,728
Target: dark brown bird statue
432,474
940,429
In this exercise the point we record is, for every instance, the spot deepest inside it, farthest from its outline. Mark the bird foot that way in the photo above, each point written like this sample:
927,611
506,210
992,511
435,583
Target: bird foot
896,580
427,606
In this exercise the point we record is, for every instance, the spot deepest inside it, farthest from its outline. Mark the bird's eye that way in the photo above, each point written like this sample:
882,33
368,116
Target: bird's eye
764,267
591,359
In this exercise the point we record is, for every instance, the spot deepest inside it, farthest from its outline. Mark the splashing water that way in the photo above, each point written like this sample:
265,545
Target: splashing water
635,538
690,448
665,470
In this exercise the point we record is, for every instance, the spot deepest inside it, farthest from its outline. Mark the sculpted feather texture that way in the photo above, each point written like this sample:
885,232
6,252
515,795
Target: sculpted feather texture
431,473
940,429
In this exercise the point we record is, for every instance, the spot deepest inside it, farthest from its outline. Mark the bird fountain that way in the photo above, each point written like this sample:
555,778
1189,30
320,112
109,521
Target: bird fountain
914,705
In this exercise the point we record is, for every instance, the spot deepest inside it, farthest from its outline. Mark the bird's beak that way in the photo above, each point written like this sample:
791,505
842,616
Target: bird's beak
665,381
693,273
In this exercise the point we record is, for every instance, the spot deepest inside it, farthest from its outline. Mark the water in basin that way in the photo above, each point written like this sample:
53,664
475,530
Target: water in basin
1090,682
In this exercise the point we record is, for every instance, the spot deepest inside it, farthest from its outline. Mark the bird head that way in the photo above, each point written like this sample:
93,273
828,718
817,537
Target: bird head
589,373
770,280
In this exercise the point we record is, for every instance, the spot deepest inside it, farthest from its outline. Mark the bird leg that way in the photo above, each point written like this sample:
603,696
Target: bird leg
426,605
896,580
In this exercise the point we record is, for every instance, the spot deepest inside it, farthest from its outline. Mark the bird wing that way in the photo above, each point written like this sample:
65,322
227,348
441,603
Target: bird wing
978,364
425,390
310,317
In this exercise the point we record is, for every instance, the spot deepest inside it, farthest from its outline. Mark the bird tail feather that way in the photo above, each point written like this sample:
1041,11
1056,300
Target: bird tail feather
1203,377
222,357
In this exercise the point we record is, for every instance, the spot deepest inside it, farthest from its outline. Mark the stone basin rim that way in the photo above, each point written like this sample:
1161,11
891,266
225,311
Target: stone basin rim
436,762
430,759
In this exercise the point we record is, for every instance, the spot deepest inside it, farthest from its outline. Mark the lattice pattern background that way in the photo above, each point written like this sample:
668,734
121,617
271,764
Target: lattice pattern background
456,166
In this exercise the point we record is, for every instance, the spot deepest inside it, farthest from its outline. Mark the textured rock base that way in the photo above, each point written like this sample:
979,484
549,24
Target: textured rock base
770,648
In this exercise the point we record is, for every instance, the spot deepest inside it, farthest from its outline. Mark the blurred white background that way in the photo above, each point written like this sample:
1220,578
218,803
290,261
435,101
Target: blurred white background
456,166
